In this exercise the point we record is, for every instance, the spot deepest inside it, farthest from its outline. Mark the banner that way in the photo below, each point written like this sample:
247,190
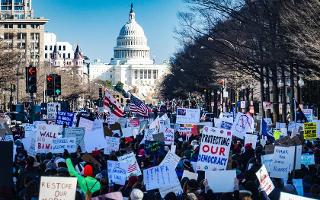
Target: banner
61,144
52,109
283,161
188,116
77,133
133,168
61,188
310,130
117,173
242,124
6,165
221,181
65,118
264,180
214,149
171,159
112,144
169,136
44,137
160,176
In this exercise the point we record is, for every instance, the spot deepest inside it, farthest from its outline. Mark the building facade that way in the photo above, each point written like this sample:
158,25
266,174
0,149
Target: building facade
132,63
21,31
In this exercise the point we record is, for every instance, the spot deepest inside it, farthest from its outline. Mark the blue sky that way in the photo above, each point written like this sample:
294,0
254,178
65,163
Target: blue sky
95,24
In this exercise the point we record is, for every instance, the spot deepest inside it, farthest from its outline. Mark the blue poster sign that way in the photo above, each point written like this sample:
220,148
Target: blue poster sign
65,118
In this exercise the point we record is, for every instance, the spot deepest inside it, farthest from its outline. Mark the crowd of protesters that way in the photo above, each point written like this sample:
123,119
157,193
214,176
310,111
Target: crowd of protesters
93,177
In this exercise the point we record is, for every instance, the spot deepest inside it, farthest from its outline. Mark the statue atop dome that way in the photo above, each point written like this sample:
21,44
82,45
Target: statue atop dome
132,15
131,10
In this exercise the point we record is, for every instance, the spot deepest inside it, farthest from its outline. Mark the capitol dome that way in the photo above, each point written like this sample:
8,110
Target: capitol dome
132,46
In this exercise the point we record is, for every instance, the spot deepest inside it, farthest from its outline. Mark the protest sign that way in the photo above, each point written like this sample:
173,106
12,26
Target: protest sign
4,129
61,144
169,136
154,148
242,124
189,175
264,180
299,186
188,116
159,176
6,165
185,130
155,124
226,180
226,125
280,125
164,123
112,195
29,144
134,122
159,137
29,129
44,137
287,196
251,139
265,127
86,124
276,134
309,114
65,118
62,188
94,140
111,119
214,149
133,167
78,133
52,109
177,189
310,130
127,132
307,159
267,161
298,152
295,128
117,174
283,161
112,144
171,159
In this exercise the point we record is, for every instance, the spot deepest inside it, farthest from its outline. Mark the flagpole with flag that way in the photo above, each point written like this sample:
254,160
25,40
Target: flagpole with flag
137,106
112,104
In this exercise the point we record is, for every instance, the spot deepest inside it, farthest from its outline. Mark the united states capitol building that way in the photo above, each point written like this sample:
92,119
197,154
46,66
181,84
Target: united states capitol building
132,64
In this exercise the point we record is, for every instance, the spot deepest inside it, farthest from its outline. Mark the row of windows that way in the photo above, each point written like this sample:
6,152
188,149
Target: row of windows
21,36
146,74
63,55
21,26
51,47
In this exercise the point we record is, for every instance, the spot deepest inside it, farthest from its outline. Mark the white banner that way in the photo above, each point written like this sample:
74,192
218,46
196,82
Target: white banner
62,188
188,116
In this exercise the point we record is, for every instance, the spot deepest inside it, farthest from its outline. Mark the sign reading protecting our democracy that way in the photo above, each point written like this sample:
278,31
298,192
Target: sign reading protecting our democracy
113,144
310,130
61,144
44,137
283,162
77,133
214,149
188,116
242,124
133,167
52,109
264,180
160,176
65,118
62,188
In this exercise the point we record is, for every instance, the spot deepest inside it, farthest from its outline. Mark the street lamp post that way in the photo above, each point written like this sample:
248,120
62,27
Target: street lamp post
282,103
299,90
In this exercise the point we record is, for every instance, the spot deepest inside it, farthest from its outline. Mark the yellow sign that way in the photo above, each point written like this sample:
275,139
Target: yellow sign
276,134
310,130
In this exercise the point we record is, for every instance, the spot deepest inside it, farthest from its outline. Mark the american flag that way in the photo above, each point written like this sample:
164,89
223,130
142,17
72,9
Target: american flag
137,106
132,168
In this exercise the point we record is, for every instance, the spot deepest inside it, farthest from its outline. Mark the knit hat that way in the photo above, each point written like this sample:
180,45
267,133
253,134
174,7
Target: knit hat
88,170
136,194
132,180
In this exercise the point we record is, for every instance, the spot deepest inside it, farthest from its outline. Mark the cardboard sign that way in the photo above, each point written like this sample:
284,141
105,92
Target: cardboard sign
225,183
287,196
86,124
52,109
65,118
171,159
58,187
310,130
112,144
283,160
116,173
169,136
307,159
133,168
44,137
159,176
242,124
214,149
188,116
189,175
264,180
6,165
77,133
61,144
251,139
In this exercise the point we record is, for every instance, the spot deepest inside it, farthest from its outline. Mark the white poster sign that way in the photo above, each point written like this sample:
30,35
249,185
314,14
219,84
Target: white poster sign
61,144
160,176
44,137
127,132
133,168
94,140
287,196
78,133
214,149
112,144
168,136
264,180
175,189
52,109
171,159
117,173
226,180
86,124
251,139
283,160
58,187
242,124
267,161
189,175
188,116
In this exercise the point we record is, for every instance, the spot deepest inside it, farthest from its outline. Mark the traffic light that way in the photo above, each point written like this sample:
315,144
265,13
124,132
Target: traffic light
100,93
50,84
31,79
57,85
